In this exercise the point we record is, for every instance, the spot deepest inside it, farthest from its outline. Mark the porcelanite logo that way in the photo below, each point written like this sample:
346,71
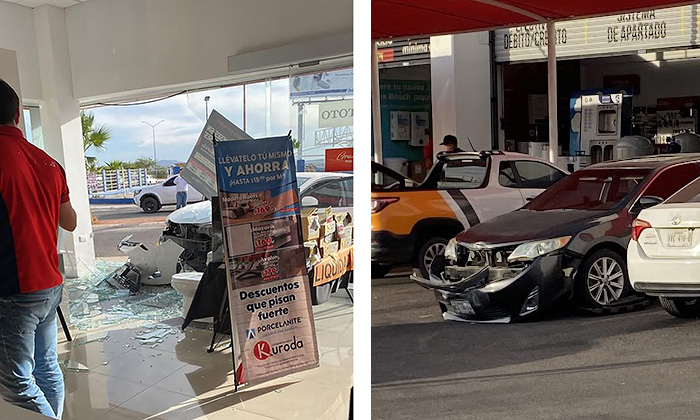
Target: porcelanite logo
263,351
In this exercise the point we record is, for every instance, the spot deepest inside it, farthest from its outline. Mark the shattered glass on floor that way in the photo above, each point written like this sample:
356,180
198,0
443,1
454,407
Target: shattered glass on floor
94,303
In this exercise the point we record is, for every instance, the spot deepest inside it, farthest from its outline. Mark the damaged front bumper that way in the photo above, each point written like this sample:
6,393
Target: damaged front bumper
499,294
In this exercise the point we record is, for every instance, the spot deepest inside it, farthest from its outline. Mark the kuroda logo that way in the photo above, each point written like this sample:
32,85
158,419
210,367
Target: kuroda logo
262,349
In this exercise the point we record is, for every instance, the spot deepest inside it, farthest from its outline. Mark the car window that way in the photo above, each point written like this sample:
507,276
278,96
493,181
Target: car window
671,180
463,174
348,192
537,174
170,182
329,194
688,194
591,189
382,179
506,176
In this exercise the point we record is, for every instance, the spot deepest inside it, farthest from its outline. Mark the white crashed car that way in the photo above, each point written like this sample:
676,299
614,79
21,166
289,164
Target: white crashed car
153,197
663,257
190,226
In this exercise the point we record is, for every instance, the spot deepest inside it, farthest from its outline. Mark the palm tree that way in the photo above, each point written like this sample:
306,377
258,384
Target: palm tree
93,137
91,164
113,165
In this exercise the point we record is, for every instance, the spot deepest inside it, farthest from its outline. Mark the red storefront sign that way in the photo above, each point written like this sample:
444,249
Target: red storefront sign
338,160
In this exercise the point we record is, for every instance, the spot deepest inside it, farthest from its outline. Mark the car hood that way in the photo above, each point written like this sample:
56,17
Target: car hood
196,214
528,225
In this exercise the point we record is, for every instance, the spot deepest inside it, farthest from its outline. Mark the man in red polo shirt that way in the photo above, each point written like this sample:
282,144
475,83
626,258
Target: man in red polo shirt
34,202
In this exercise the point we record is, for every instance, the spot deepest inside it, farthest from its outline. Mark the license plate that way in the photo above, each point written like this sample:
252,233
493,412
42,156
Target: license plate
679,239
462,307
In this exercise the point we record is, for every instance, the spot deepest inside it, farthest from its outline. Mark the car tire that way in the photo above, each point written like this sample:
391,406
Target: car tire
602,292
681,307
427,253
380,270
150,204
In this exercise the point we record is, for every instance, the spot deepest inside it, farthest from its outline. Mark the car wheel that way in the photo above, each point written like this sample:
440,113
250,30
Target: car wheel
150,205
681,307
379,270
602,284
427,253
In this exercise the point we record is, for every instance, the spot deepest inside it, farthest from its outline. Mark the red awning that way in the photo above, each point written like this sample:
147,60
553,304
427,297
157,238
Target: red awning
403,18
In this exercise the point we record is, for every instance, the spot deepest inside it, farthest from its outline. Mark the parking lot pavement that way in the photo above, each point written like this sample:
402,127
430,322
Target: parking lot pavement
640,365
118,221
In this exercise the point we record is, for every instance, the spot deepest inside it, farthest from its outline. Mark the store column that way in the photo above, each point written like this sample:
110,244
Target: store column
61,129
461,89
9,72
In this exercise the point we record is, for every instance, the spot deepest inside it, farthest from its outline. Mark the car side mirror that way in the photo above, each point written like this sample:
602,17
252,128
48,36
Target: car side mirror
649,201
309,201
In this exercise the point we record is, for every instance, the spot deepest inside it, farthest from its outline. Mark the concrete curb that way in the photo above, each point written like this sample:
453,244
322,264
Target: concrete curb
111,201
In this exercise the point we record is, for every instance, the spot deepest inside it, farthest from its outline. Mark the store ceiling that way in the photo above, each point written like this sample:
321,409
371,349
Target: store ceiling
403,18
37,3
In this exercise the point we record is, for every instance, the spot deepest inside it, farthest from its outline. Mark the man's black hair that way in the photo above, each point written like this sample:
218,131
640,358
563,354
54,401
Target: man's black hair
449,139
9,102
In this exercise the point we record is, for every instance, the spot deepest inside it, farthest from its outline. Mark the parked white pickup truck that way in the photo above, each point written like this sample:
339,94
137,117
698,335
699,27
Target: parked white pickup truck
153,197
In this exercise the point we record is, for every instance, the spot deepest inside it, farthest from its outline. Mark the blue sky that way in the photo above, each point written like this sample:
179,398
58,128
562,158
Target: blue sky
184,118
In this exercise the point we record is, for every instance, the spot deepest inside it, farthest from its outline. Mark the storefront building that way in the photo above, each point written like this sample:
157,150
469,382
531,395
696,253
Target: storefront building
62,55
491,87
649,57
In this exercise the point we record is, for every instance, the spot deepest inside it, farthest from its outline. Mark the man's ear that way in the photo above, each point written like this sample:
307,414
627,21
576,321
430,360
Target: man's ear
17,115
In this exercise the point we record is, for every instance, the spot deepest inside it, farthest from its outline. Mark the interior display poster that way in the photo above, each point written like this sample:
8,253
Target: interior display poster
399,99
269,291
200,169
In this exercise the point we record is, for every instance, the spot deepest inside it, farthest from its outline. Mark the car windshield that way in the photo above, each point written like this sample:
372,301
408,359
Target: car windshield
592,189
301,179
688,194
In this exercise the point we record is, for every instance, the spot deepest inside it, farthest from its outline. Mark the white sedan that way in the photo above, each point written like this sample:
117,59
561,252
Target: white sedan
663,257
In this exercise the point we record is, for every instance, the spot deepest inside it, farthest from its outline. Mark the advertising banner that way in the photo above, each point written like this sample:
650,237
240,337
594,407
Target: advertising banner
200,170
335,114
331,83
339,159
269,291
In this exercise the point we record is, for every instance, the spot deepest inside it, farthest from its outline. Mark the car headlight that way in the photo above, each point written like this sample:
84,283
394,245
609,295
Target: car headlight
531,250
451,250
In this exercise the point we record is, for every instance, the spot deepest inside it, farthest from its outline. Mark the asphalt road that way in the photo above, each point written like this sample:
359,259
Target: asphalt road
640,365
118,221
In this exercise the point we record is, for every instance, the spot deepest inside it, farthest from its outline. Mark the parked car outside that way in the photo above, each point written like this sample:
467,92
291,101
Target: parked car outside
663,256
569,242
191,226
413,223
153,197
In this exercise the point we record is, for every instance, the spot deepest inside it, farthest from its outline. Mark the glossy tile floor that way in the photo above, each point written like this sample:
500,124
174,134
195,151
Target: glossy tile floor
178,379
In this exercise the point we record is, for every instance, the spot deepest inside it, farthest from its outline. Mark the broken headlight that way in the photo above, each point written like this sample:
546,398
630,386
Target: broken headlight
531,250
451,250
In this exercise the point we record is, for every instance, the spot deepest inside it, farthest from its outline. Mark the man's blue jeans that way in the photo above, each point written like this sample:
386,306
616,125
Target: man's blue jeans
181,199
29,373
